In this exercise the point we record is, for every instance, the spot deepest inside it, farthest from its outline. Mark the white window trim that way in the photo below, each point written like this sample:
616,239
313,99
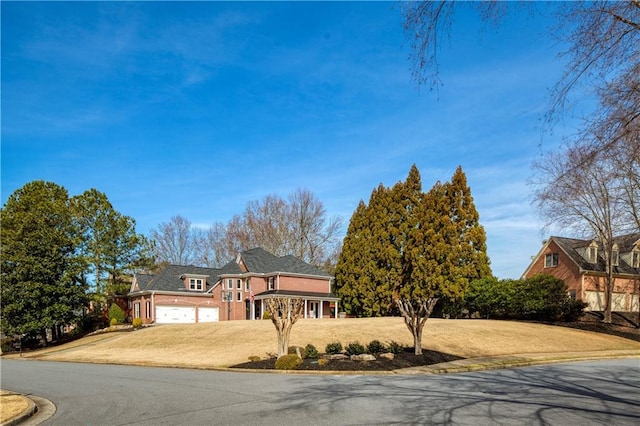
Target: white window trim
238,296
230,284
272,283
195,284
553,260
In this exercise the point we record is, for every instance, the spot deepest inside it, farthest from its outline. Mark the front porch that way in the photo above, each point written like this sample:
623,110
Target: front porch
316,305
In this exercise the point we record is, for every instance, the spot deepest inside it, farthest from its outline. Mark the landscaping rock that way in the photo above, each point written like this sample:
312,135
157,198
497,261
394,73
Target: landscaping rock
335,356
387,355
363,357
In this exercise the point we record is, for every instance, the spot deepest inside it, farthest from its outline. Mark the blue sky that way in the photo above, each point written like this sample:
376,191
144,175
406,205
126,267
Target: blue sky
194,109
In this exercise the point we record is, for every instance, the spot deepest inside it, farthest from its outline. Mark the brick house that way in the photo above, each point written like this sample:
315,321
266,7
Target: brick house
191,294
581,265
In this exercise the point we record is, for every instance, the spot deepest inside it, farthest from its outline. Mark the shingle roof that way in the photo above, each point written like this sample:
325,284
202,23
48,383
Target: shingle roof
168,279
625,244
256,260
260,261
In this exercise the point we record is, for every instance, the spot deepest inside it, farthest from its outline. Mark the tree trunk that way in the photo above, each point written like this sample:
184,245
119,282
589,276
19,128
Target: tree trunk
284,313
415,319
608,298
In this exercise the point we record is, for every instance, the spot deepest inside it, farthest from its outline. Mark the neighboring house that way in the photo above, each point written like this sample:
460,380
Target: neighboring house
190,294
581,265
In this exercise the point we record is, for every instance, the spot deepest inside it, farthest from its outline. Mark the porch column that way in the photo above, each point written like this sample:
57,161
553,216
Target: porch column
262,308
252,310
305,308
335,311
321,306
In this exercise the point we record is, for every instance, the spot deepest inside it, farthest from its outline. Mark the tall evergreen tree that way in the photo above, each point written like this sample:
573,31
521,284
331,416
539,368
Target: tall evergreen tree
110,246
405,250
41,288
446,249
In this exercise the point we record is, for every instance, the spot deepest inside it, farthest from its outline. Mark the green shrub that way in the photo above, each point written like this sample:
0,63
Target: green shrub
322,362
137,322
254,358
376,347
311,352
116,313
395,347
113,322
288,362
333,348
266,315
354,348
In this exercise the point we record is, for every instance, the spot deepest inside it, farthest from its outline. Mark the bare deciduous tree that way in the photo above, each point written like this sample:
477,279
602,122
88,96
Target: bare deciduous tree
603,39
175,242
298,226
284,312
581,192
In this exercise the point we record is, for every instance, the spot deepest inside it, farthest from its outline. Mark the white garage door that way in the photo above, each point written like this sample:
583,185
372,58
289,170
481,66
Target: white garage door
175,315
595,299
207,314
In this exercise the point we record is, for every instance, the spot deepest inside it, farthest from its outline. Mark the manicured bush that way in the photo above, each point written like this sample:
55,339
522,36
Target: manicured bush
297,350
333,348
254,358
376,347
137,322
116,313
354,348
311,352
395,347
266,315
288,362
113,322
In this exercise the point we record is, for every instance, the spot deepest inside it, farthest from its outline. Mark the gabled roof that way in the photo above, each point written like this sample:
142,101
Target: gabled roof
260,261
571,246
257,260
169,278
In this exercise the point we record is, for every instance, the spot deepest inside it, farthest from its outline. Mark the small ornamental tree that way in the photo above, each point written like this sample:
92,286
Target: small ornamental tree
284,312
116,314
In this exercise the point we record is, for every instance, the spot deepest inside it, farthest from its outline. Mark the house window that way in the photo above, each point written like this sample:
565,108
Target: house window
148,309
572,294
229,284
271,285
551,260
195,284
136,310
615,257
593,254
246,285
239,284
239,297
635,259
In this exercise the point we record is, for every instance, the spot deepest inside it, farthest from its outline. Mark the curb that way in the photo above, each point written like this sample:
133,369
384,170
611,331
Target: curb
514,361
28,412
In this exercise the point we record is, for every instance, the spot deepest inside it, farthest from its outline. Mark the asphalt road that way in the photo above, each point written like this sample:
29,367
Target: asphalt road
588,393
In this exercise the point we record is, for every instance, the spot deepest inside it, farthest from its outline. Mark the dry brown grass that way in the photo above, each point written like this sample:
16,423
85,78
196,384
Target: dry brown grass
11,405
228,343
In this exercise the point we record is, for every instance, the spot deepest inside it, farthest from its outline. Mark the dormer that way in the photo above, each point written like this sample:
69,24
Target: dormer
632,257
194,282
592,252
615,255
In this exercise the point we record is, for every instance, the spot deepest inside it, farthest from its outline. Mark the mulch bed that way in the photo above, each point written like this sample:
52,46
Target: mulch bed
401,360
622,326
